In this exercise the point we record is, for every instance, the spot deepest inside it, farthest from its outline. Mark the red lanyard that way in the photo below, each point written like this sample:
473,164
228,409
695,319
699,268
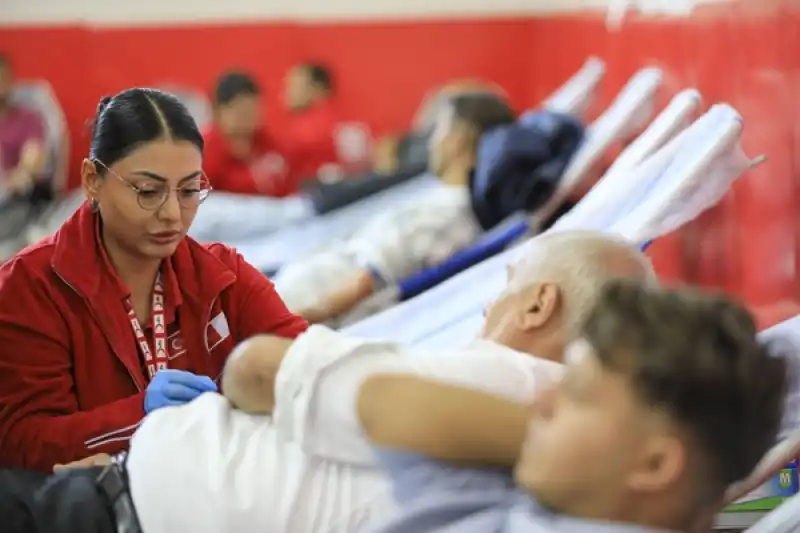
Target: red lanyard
156,358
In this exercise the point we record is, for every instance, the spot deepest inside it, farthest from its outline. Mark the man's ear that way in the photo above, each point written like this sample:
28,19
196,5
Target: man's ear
660,464
538,304
90,179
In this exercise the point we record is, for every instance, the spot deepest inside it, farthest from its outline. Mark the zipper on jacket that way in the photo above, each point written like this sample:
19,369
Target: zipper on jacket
76,291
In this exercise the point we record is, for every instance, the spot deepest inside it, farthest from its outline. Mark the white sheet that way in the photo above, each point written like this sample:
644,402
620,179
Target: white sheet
271,252
577,94
681,111
604,202
711,159
785,519
629,112
227,217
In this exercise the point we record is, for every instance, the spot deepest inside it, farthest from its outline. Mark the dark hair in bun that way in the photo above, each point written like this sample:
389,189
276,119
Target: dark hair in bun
137,116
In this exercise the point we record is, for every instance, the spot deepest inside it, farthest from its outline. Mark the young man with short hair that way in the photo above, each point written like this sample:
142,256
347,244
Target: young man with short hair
309,138
241,156
668,398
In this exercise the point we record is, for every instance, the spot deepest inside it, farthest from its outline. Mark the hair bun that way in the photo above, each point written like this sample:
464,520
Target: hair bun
103,104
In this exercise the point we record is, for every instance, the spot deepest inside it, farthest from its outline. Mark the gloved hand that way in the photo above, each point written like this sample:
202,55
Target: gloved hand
175,387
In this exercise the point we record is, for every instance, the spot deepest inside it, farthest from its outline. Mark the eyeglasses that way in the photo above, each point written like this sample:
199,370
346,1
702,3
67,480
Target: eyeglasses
153,196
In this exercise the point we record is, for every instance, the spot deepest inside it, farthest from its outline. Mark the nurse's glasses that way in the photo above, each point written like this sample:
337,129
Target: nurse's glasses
191,193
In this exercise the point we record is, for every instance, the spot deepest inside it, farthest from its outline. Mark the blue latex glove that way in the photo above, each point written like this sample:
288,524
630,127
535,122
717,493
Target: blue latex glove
175,387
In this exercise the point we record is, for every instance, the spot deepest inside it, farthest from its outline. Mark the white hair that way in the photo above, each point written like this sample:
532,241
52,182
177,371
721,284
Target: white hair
579,262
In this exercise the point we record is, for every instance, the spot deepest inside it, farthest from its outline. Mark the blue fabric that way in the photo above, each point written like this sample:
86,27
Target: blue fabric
487,246
519,165
435,497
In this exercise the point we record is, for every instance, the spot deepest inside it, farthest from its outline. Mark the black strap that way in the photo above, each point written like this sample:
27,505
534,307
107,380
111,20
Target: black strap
113,481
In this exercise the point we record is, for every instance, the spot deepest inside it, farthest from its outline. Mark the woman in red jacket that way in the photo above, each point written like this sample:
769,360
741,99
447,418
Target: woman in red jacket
119,312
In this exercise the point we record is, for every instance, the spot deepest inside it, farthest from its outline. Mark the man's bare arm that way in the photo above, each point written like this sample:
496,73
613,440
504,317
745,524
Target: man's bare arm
249,377
441,421
347,297
33,158
30,168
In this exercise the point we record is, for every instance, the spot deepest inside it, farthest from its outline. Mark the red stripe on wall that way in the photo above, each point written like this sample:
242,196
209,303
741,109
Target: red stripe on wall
382,70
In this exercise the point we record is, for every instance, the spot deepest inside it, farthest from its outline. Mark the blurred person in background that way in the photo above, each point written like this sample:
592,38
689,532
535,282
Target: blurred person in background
22,141
240,155
489,167
401,241
397,152
308,140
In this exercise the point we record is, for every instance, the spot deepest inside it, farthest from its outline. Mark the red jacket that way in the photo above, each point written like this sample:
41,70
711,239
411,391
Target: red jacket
265,172
71,376
308,140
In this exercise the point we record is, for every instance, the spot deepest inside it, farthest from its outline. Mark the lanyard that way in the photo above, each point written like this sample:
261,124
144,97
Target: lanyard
155,358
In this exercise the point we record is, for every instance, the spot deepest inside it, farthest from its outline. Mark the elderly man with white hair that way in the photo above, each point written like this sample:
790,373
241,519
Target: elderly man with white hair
283,451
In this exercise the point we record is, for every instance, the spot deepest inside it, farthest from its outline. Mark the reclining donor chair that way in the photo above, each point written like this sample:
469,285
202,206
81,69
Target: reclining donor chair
628,114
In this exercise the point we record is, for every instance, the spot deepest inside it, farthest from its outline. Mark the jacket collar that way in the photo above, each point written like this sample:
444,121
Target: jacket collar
78,259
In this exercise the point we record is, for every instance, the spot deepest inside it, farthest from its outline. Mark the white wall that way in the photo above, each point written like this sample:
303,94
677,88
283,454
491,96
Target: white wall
171,11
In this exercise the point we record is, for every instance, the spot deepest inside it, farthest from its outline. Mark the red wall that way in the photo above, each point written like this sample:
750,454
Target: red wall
746,53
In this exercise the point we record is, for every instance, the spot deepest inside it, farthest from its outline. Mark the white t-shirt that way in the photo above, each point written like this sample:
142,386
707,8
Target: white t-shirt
205,467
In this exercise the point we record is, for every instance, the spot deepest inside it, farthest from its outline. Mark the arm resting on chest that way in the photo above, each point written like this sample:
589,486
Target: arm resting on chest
441,421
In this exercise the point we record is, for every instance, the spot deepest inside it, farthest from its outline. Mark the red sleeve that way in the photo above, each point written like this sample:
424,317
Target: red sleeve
309,144
224,173
40,420
314,145
259,308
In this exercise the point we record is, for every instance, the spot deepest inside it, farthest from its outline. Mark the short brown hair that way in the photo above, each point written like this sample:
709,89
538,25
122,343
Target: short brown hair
696,357
482,110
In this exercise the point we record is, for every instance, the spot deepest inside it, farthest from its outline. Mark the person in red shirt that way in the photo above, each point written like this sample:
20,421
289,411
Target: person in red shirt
309,137
240,155
120,313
